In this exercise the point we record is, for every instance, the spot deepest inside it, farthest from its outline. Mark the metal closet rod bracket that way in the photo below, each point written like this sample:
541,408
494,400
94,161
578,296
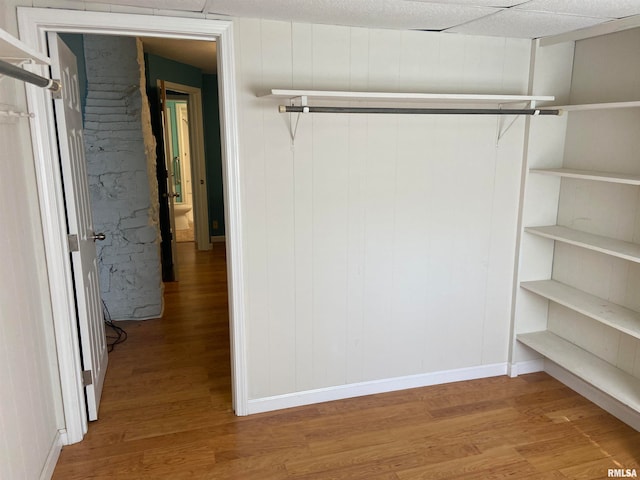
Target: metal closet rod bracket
298,102
13,71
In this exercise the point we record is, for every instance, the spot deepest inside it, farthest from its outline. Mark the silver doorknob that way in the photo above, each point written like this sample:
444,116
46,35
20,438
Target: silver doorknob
98,236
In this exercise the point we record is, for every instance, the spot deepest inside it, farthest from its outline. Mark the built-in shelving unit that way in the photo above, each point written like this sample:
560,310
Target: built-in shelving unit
606,377
596,335
609,246
14,51
404,97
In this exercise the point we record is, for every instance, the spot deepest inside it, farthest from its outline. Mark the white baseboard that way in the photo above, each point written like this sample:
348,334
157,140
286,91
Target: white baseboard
604,401
352,390
522,368
52,458
217,238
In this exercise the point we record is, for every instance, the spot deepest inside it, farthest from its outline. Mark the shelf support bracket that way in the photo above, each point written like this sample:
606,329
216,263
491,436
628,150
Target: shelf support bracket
501,132
293,127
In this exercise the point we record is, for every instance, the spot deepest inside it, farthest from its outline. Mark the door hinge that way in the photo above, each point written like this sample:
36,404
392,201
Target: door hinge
73,242
86,378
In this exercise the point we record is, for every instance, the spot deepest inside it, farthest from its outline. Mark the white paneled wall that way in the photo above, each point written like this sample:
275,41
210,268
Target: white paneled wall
30,402
376,246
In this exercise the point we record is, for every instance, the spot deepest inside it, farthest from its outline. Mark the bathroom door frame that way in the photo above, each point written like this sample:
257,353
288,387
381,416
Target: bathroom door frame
198,167
34,23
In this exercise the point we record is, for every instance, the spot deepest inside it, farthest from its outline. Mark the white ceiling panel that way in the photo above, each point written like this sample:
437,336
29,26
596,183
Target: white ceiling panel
525,24
184,5
400,14
504,18
476,3
586,8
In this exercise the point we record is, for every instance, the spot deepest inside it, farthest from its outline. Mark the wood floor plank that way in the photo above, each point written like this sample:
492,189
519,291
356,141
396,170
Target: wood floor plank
559,453
166,414
502,461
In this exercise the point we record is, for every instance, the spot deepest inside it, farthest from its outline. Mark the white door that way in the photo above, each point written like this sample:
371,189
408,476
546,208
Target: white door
182,119
168,157
76,190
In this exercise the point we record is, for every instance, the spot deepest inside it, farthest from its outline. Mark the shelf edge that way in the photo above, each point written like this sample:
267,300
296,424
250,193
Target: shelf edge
399,96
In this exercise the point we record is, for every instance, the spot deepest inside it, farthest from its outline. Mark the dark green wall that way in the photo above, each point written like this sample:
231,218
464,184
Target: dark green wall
159,68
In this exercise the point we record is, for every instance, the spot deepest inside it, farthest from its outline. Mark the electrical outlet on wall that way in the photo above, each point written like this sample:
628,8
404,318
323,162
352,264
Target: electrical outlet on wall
215,224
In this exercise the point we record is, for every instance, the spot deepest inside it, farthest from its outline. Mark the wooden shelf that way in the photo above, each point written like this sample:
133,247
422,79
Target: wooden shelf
594,106
589,175
403,97
611,314
602,375
13,50
609,246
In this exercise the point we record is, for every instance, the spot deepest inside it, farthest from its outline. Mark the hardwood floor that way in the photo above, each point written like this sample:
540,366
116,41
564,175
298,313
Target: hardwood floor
166,414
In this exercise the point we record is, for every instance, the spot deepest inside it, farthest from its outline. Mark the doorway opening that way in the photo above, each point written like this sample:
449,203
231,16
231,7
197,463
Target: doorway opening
188,161
34,24
180,177
140,156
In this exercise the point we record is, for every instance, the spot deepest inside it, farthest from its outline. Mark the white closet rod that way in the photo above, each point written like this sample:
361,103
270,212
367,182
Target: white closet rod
422,111
13,71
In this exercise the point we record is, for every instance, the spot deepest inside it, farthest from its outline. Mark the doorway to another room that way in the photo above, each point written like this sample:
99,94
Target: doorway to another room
188,158
182,88
34,24
180,178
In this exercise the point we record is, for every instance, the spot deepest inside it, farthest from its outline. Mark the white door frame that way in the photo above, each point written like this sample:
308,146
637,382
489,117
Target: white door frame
34,23
198,173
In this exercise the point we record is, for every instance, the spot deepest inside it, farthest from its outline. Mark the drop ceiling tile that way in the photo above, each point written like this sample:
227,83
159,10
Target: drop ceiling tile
586,8
525,24
476,3
184,5
400,14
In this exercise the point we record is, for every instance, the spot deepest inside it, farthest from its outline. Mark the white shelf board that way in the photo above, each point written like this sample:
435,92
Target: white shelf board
609,246
593,370
594,106
589,175
403,97
13,50
611,314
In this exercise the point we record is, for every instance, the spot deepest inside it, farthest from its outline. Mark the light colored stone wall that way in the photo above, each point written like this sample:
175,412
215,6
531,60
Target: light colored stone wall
121,170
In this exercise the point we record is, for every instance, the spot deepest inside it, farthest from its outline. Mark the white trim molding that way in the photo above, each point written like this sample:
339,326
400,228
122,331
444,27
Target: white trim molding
524,367
353,390
34,23
52,457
